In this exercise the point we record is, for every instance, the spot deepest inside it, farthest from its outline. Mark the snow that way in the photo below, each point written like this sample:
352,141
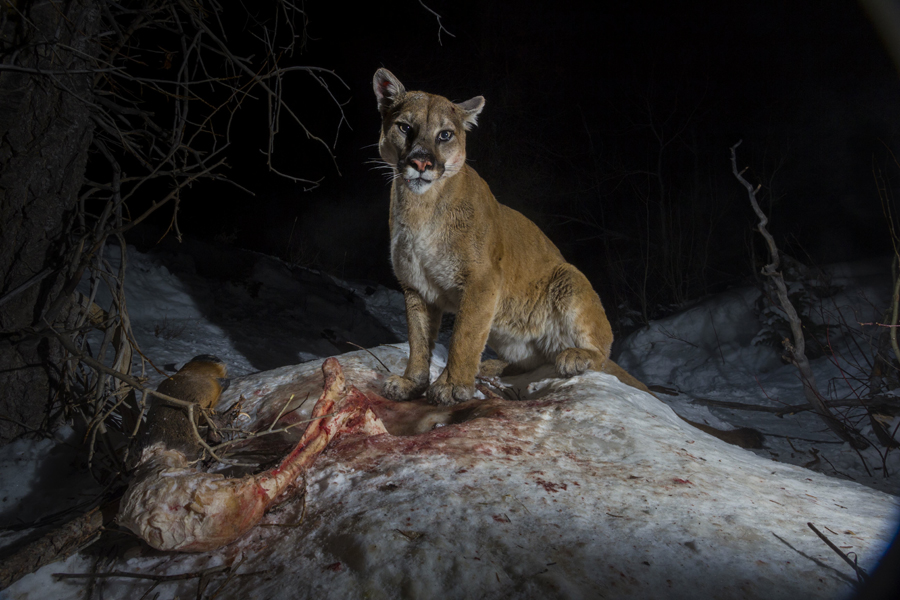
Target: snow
584,487
28,466
253,311
706,352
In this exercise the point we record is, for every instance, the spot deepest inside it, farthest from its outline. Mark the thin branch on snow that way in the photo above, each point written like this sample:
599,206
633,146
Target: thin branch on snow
860,573
796,348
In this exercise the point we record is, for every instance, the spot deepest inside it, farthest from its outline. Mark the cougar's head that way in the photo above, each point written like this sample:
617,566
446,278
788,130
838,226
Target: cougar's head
423,136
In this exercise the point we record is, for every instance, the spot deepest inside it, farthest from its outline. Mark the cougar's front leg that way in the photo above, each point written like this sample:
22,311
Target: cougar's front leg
423,321
470,333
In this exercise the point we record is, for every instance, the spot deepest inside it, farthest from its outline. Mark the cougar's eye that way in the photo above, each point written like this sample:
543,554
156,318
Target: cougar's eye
445,136
404,128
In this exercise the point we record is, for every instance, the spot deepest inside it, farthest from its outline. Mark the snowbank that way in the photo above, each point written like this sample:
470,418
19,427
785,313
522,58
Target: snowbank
707,353
585,488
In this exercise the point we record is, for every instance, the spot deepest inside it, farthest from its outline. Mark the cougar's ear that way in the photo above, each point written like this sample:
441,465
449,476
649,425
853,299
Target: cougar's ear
471,109
387,89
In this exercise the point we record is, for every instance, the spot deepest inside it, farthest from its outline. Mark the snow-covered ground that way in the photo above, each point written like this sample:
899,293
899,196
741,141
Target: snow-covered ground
707,352
258,314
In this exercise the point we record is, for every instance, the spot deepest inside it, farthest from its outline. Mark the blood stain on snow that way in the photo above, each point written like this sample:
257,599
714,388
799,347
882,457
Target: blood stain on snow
549,486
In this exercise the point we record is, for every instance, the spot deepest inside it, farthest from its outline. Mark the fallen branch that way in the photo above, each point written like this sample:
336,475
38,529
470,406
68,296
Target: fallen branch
860,573
883,404
56,545
797,348
204,575
148,576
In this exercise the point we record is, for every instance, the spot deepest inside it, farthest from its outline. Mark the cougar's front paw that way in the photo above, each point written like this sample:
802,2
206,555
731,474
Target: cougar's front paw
400,388
575,361
448,394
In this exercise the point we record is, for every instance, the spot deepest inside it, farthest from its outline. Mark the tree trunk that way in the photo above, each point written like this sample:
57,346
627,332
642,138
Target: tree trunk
45,132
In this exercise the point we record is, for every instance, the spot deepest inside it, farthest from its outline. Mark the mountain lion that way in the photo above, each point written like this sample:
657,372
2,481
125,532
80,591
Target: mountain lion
455,248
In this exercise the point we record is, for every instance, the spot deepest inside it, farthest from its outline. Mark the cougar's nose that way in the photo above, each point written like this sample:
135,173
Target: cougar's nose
421,164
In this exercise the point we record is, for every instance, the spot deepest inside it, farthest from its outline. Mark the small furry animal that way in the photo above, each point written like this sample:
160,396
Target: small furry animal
455,248
201,381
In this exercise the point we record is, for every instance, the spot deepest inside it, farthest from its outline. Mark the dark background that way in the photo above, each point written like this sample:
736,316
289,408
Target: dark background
607,123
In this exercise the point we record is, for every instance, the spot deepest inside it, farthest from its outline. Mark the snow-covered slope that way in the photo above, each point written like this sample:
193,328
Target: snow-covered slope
587,485
253,311
707,352
585,488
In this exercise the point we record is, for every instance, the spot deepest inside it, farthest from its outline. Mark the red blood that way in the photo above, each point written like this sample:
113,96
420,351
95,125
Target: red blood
550,486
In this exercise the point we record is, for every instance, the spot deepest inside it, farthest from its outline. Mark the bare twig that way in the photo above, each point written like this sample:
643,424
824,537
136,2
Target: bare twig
283,408
790,409
93,363
257,434
797,348
31,281
148,576
165,87
386,370
895,312
860,573
440,25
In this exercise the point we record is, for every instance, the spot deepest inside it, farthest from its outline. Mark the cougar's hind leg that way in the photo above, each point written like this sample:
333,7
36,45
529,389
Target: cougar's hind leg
492,367
585,330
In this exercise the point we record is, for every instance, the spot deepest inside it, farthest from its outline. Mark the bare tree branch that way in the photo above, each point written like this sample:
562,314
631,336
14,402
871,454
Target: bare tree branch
162,114
440,25
797,348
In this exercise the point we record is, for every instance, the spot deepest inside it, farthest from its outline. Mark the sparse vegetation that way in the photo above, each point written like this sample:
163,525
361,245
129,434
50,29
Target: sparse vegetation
150,93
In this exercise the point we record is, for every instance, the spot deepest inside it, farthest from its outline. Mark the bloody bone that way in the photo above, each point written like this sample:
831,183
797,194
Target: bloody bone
173,506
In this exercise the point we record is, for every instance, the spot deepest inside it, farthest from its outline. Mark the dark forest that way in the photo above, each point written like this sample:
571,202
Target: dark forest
608,125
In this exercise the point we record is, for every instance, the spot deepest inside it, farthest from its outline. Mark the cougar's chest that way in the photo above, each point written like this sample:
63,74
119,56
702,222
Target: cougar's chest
423,260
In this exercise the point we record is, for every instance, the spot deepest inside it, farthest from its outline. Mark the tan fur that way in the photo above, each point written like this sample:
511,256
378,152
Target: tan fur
199,381
456,249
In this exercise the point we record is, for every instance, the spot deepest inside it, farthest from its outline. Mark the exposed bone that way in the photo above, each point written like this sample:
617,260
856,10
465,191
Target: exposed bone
173,506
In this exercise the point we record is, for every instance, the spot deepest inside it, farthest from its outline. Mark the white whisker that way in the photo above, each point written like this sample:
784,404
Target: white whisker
389,171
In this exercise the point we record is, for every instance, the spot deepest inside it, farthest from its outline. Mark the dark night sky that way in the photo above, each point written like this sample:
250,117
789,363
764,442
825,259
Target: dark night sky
575,92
